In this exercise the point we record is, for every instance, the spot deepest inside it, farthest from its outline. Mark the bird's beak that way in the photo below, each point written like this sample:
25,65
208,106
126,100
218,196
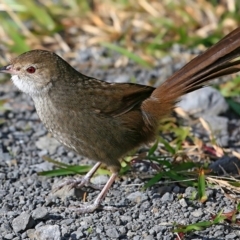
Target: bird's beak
7,69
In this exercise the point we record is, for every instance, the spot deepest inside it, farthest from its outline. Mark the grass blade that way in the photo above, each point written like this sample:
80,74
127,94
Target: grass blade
18,39
201,186
128,54
153,180
39,14
66,171
234,105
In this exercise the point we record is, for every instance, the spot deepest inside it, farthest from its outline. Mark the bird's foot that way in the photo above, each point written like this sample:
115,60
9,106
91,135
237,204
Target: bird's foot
77,183
88,208
80,182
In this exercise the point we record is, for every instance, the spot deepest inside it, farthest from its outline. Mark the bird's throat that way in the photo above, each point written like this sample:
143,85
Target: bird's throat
29,87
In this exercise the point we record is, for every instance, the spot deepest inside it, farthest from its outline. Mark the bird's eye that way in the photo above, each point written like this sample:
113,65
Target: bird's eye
31,69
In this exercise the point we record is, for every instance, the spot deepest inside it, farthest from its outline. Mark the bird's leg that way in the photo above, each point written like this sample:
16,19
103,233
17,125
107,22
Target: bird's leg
80,182
97,203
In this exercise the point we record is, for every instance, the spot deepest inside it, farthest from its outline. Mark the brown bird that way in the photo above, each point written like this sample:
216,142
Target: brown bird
104,121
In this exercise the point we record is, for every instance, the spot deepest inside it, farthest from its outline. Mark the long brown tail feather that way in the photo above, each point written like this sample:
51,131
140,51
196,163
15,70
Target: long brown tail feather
217,61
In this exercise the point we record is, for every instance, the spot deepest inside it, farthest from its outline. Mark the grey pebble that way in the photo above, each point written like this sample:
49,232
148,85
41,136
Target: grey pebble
197,213
226,164
122,78
149,237
137,197
163,189
100,179
189,191
48,232
176,189
96,238
205,101
136,238
112,233
5,208
125,219
22,222
39,213
2,176
5,227
31,233
8,236
231,236
122,230
67,221
167,197
47,143
77,234
219,128
99,229
183,202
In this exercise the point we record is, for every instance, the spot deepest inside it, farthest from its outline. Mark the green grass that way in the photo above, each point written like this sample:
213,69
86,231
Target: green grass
220,218
149,28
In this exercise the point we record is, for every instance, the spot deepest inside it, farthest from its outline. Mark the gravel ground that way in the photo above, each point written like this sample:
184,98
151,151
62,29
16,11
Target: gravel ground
28,210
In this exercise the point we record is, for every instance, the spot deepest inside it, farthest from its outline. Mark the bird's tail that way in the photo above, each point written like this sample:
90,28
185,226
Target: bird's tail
219,60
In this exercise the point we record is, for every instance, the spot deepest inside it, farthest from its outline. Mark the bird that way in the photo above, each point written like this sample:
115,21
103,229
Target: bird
105,121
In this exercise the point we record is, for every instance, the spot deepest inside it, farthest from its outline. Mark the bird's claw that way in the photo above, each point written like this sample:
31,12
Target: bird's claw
77,183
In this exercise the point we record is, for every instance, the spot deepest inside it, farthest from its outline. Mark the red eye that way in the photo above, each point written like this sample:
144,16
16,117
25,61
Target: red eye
31,69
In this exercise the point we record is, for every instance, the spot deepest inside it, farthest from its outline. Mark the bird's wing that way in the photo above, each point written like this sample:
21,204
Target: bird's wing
121,98
99,97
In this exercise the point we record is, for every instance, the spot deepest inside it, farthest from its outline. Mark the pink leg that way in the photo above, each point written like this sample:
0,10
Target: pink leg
97,203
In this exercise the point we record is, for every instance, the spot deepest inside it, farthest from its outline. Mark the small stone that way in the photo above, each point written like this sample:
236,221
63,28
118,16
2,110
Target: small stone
218,233
31,233
230,236
167,197
47,143
8,236
219,128
136,238
77,234
99,229
5,208
67,221
137,197
226,164
197,213
22,222
149,237
3,193
122,230
62,193
183,202
44,166
5,227
205,101
209,192
2,176
126,219
100,180
48,232
189,191
163,189
112,233
122,78
39,213
176,189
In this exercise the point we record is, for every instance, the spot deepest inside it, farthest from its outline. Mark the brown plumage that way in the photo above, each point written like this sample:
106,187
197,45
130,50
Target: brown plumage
104,121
